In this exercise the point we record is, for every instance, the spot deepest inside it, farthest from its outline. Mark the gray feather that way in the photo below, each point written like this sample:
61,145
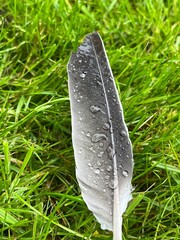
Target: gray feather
102,148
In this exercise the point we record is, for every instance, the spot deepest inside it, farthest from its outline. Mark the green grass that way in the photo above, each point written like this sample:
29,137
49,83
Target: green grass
39,195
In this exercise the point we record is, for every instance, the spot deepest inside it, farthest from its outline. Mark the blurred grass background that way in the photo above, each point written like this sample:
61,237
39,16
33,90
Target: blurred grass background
39,195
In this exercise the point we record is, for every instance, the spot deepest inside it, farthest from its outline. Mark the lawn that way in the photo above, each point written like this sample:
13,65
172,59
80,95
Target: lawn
39,195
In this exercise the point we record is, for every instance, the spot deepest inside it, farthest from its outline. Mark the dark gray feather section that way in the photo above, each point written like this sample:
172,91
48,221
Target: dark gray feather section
102,148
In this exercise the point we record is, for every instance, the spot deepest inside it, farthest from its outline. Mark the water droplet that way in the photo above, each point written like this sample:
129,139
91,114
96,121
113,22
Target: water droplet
98,136
110,213
95,109
112,184
104,190
80,61
100,154
97,171
106,126
88,134
109,168
111,130
101,145
125,173
120,165
80,151
98,83
82,75
110,152
80,119
104,226
92,149
123,133
98,163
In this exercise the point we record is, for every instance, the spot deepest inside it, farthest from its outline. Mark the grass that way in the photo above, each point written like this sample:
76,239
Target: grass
39,195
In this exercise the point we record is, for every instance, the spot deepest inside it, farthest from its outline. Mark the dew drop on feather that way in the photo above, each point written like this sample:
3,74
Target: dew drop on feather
123,133
125,173
95,109
82,75
109,168
98,137
97,171
106,126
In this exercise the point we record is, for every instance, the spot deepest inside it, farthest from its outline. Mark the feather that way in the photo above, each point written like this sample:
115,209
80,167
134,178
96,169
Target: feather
102,148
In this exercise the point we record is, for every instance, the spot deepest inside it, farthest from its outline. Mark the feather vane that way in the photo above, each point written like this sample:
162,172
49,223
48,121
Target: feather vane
102,148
